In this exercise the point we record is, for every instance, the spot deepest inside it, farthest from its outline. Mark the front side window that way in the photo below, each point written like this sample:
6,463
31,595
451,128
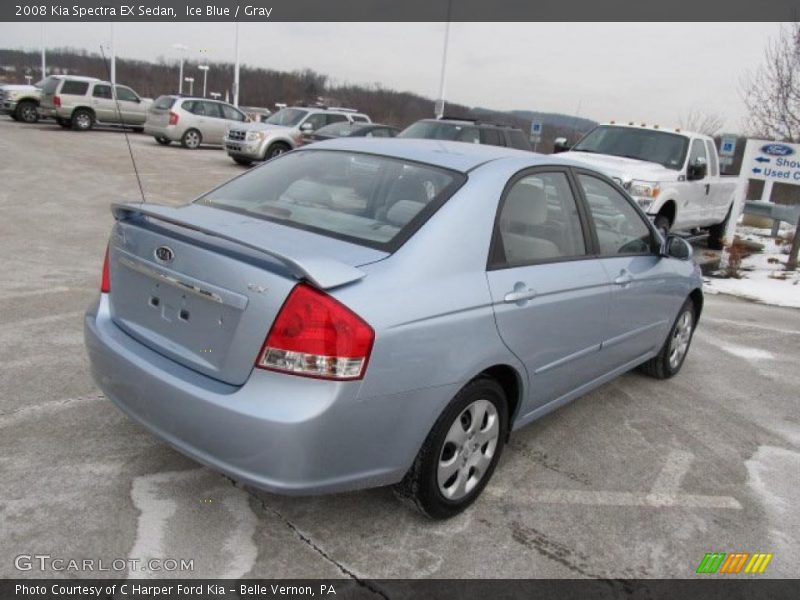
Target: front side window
126,94
369,200
516,139
287,117
538,222
335,118
315,121
75,88
620,228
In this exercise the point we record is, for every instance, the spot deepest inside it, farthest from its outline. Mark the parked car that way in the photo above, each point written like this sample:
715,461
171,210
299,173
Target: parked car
348,129
191,121
256,114
82,102
21,102
471,131
361,312
673,175
283,131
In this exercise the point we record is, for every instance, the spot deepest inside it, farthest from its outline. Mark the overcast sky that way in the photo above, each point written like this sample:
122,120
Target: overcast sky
647,72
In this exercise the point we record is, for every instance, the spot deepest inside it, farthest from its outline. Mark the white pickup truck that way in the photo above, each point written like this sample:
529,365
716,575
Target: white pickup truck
672,174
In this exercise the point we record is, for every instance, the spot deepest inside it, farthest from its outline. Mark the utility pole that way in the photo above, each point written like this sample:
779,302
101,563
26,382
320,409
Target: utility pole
44,60
236,70
113,64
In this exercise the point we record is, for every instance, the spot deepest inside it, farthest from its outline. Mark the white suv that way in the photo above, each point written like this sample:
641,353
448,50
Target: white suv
283,131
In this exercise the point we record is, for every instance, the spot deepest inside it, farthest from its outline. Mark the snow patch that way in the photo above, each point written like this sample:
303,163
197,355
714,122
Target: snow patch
747,353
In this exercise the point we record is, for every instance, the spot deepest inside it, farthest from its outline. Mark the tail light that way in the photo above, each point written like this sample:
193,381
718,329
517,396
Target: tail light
173,118
316,336
57,101
105,281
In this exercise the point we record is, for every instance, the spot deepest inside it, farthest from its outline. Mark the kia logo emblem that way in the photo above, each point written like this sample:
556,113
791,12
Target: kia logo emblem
777,150
164,254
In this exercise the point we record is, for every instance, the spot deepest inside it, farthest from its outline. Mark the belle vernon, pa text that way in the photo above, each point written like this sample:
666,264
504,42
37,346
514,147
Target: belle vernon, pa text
323,590
138,10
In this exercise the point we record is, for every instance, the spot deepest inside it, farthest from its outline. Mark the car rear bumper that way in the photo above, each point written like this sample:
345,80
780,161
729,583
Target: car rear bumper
164,131
281,433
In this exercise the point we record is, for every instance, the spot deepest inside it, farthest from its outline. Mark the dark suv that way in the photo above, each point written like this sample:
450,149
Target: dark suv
467,130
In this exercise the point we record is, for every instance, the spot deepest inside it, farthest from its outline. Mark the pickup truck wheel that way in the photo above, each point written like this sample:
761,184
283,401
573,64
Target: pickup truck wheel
716,233
163,141
460,453
245,162
277,149
662,224
82,119
191,139
670,359
26,112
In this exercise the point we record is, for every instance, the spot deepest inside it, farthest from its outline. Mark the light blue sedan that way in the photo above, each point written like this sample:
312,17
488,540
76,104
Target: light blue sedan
370,312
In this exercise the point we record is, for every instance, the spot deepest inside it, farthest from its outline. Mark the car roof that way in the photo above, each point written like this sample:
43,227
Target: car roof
76,78
457,156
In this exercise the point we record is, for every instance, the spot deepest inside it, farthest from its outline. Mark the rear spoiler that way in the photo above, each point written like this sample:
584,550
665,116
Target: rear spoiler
322,271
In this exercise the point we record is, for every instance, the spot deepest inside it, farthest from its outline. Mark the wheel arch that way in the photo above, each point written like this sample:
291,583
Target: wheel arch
670,210
512,383
696,296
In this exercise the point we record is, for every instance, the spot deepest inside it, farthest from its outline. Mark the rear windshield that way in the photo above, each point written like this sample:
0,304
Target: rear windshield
50,85
75,88
517,140
289,117
370,200
164,102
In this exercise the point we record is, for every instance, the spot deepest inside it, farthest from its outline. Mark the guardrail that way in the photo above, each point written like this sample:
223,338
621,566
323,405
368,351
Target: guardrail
779,212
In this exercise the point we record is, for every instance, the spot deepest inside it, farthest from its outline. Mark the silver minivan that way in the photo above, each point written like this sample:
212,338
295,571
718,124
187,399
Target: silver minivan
191,121
81,102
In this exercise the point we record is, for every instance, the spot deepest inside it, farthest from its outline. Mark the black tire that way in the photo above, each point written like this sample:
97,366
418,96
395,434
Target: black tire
82,119
716,233
661,366
276,149
192,139
245,162
420,487
662,224
163,141
26,111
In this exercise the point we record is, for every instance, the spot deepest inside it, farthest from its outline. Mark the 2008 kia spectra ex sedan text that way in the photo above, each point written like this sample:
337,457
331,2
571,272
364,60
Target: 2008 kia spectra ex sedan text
368,312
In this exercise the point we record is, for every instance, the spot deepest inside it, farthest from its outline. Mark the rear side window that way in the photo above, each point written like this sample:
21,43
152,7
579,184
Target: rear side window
516,139
492,137
75,88
371,200
164,102
620,228
231,113
538,222
102,90
126,94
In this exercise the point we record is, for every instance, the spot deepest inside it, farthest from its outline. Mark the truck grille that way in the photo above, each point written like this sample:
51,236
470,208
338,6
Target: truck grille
236,135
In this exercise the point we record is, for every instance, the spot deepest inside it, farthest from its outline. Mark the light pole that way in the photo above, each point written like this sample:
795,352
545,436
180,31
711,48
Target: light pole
204,69
215,95
182,48
439,105
44,60
190,81
236,70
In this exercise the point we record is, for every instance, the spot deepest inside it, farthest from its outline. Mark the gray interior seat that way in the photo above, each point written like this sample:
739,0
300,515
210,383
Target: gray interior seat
525,206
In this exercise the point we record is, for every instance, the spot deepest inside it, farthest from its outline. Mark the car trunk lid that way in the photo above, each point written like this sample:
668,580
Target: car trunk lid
203,285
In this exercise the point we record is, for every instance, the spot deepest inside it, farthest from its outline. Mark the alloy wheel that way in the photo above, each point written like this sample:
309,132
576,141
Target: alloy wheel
681,337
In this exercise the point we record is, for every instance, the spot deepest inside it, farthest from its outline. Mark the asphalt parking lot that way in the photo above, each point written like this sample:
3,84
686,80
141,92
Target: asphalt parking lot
638,479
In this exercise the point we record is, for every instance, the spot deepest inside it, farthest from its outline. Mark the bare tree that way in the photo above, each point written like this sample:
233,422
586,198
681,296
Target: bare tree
772,94
701,122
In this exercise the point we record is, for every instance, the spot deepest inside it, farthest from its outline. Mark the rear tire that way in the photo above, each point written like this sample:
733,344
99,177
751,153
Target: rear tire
460,453
192,139
670,358
82,119
245,162
163,141
26,112
716,233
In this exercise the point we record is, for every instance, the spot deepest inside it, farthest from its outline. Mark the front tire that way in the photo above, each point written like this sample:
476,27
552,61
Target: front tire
192,139
26,112
277,149
460,453
670,359
82,119
716,233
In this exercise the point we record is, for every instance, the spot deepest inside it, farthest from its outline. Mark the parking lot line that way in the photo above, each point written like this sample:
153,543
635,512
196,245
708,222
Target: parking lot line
42,320
12,418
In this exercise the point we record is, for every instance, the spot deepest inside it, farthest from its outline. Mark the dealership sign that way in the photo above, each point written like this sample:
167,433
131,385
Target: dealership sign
772,162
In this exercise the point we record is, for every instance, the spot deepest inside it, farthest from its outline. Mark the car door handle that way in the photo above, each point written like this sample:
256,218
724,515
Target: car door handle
624,278
521,293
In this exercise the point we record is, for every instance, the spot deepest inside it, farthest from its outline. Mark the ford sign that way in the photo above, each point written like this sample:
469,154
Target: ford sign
777,150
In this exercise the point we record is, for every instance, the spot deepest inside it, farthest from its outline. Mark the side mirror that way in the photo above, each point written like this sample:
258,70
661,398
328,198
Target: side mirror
676,247
697,170
306,127
560,145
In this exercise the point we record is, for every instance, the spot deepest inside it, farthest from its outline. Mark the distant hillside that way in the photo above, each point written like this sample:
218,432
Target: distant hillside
265,87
